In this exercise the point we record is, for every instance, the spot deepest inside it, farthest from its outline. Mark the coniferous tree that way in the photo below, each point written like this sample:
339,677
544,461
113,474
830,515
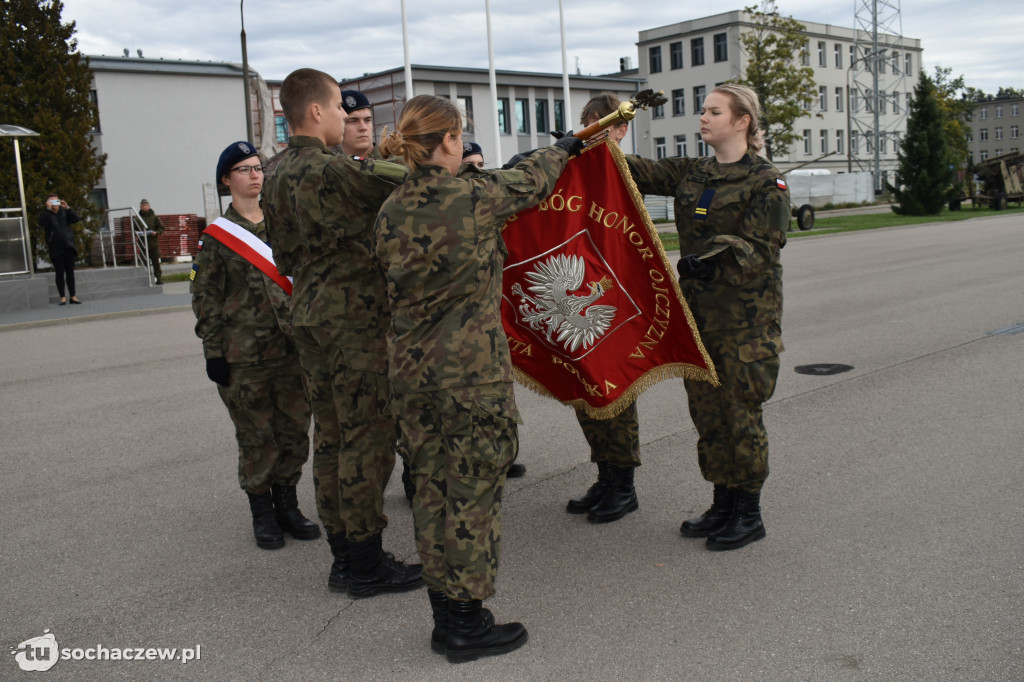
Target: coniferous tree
924,171
45,86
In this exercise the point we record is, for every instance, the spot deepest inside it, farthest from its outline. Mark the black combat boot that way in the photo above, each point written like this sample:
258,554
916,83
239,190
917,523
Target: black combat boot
373,571
582,504
291,520
472,633
337,581
745,525
619,500
439,606
714,519
516,470
264,523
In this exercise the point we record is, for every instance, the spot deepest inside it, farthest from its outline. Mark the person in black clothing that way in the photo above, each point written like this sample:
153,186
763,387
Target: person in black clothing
60,241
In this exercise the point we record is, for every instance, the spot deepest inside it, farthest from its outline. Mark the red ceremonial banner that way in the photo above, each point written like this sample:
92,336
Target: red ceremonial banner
591,306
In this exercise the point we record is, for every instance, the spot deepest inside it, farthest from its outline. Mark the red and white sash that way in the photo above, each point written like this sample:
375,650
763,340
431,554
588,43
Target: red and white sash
250,247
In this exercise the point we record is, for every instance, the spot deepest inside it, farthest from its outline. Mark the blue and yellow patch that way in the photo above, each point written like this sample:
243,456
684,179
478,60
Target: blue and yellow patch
192,272
701,212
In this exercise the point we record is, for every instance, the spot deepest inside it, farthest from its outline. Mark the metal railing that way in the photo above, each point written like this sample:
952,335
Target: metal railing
135,237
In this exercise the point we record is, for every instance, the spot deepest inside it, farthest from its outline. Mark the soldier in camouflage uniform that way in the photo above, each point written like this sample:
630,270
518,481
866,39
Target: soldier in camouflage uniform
732,211
438,239
320,210
614,443
242,319
154,228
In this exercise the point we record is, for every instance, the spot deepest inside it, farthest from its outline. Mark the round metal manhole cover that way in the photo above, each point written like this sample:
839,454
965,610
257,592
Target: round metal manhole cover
823,369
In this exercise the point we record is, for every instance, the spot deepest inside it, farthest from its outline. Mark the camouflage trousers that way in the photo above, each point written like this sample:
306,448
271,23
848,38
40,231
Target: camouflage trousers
732,447
459,445
268,406
614,441
354,433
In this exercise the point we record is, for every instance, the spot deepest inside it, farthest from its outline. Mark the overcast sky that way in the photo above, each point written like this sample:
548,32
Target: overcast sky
980,40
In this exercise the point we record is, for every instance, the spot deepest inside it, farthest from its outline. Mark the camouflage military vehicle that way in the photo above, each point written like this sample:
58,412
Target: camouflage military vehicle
994,182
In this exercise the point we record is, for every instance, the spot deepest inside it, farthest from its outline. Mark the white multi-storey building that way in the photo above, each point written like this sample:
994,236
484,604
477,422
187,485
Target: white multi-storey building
688,59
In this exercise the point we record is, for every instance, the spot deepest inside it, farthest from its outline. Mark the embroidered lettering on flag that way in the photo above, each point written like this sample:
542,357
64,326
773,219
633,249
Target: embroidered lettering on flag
591,307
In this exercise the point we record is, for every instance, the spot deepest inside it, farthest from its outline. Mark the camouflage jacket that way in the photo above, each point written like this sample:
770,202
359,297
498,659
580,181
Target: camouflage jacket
734,215
241,314
438,239
152,221
320,209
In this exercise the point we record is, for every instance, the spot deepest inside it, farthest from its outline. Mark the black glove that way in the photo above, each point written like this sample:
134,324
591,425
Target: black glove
691,267
218,370
522,156
573,145
557,134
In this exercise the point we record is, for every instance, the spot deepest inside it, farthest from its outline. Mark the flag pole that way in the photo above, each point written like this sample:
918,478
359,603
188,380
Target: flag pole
405,49
566,105
494,88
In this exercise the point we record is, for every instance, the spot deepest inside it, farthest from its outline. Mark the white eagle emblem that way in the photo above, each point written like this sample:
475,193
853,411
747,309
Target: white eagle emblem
571,319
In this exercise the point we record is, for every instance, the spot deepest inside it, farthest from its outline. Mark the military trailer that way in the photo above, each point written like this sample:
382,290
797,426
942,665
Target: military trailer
994,182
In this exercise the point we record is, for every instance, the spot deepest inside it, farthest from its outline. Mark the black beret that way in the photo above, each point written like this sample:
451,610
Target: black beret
235,152
470,148
353,100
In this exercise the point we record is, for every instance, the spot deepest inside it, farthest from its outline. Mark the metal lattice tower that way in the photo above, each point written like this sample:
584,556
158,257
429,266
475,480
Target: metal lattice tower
878,100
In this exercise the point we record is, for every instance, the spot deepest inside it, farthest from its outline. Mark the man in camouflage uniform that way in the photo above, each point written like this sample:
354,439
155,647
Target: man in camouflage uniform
732,220
614,443
242,319
154,228
320,209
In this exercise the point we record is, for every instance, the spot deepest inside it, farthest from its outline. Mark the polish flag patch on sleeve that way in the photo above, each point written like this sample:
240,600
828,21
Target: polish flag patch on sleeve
781,183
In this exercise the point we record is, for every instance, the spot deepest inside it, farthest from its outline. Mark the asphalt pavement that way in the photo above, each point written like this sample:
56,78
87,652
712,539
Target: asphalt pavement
894,550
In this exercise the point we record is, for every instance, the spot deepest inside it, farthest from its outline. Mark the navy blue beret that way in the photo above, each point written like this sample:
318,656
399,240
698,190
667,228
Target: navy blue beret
353,100
235,152
470,148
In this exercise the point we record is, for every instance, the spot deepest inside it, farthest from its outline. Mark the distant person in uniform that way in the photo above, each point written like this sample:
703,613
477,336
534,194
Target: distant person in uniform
154,228
56,220
438,241
242,317
472,154
358,137
320,208
732,211
614,443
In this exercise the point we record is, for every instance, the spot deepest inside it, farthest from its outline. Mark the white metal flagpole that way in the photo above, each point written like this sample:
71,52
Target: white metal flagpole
408,65
566,106
497,159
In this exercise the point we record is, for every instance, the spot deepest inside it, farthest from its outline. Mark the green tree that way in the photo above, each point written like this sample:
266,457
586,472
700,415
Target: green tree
45,86
776,48
957,111
924,173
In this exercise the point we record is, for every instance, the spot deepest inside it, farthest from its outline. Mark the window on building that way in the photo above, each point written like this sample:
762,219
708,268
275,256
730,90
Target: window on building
675,55
839,99
696,51
658,111
984,154
999,133
660,151
855,100
681,146
559,115
821,54
1014,110
807,141
823,98
839,141
465,105
655,55
879,61
970,135
823,142
699,93
721,47
95,102
906,64
98,198
503,116
854,142
805,54
702,146
523,116
679,102
907,100
869,143
881,102
881,143
541,108
983,134
853,58
281,132
838,55
999,111
896,62
983,113
1014,132
998,151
